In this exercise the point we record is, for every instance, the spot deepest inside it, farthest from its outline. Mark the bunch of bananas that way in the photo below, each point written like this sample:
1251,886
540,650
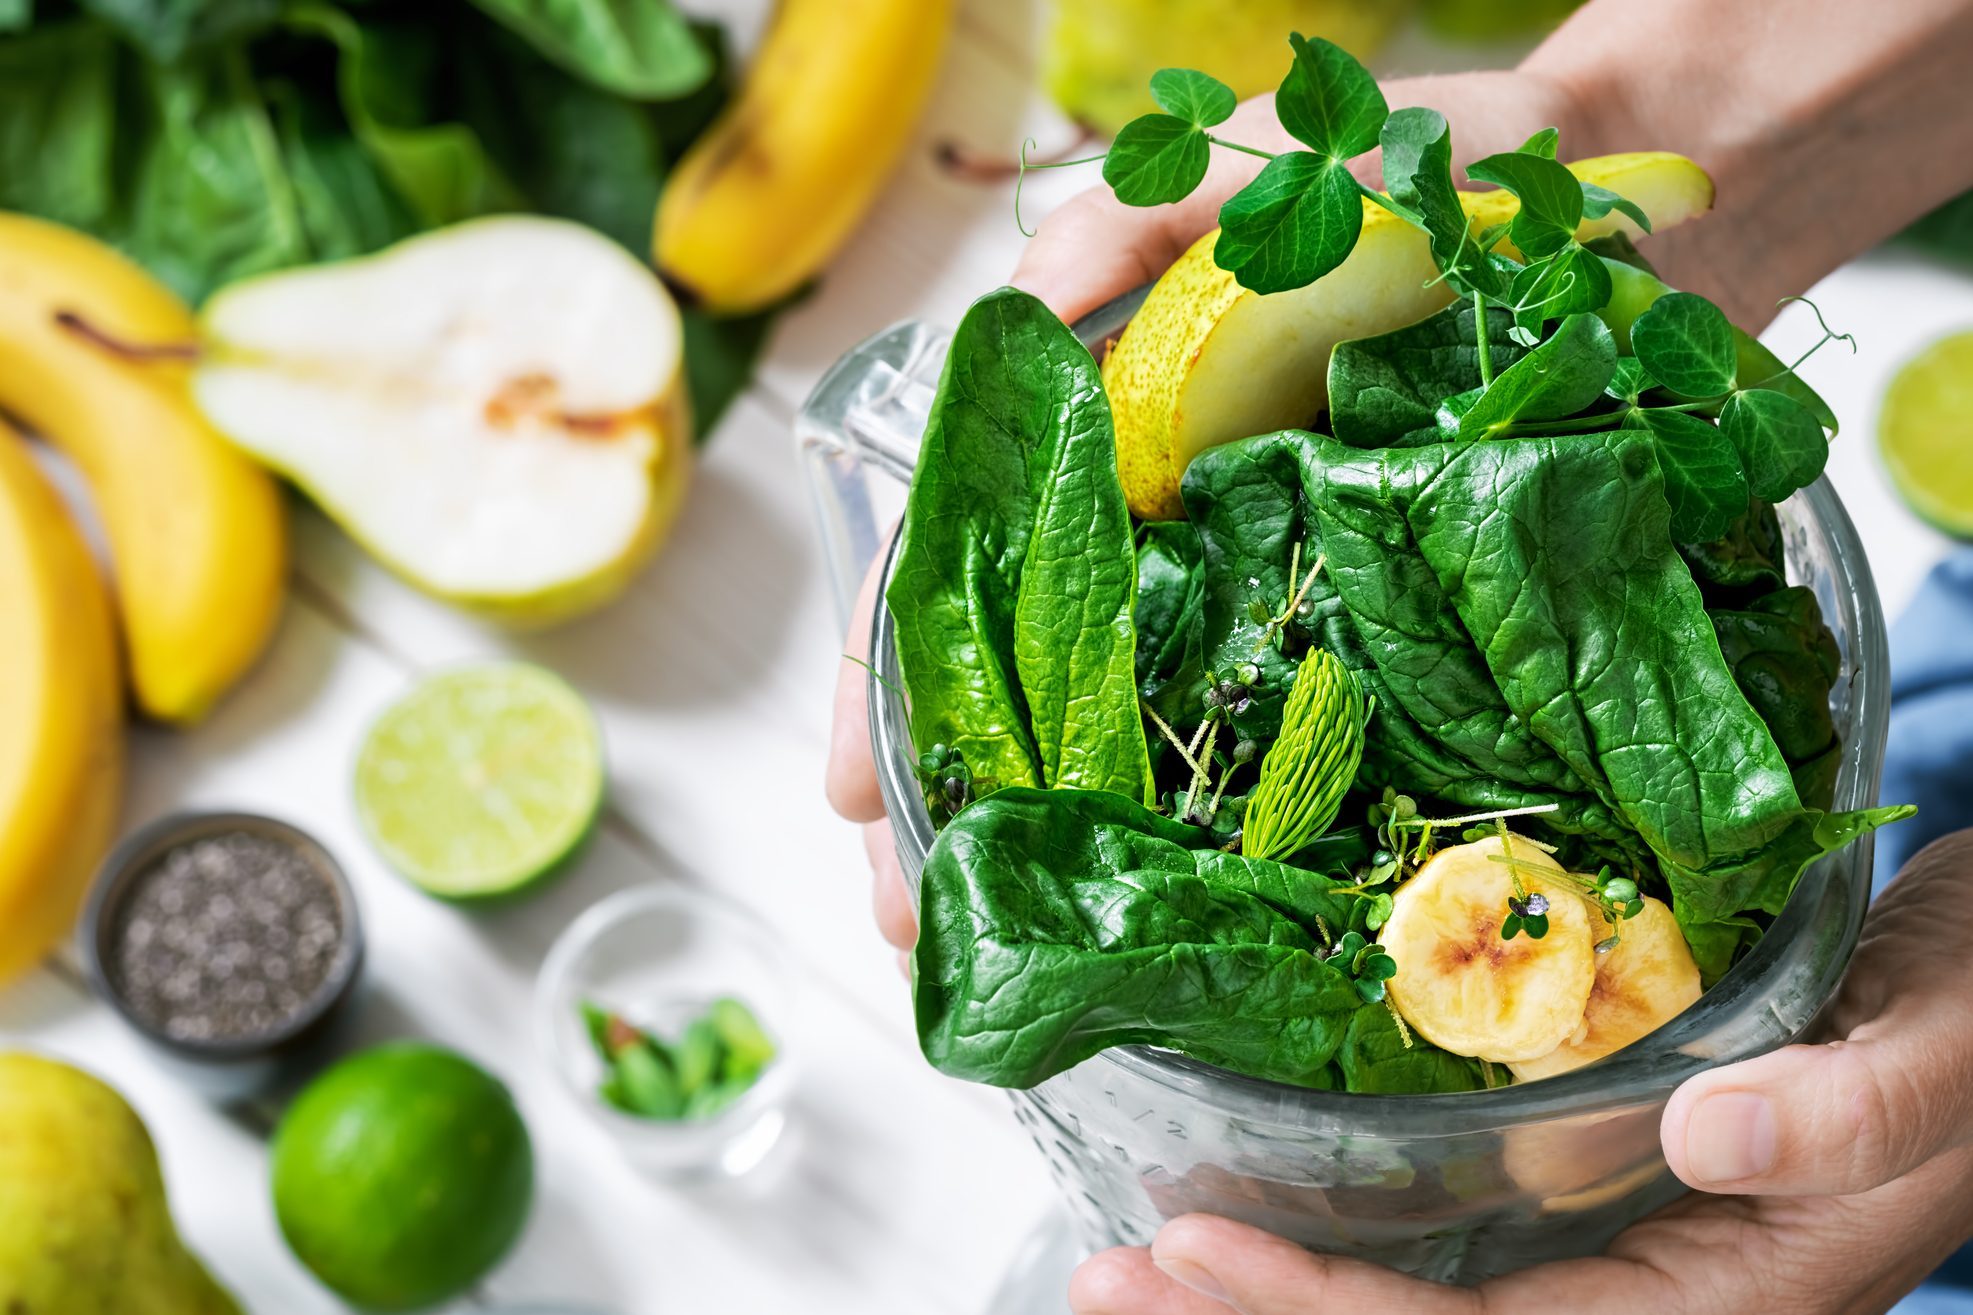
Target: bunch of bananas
197,543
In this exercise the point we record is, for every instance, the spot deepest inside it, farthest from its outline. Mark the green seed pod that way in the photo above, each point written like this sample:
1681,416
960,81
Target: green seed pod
1309,769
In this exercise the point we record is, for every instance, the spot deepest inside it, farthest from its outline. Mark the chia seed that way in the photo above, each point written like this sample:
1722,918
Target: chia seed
225,937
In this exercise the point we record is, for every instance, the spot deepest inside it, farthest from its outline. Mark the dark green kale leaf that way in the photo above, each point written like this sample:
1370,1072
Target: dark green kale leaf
1056,924
1015,575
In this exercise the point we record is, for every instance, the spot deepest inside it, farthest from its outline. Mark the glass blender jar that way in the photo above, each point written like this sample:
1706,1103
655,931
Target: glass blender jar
1453,1187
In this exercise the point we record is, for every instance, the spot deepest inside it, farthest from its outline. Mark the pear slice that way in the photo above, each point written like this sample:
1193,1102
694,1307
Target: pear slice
1205,361
497,410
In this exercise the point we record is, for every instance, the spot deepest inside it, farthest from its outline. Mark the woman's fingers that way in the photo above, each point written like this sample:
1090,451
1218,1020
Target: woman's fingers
889,897
1257,1273
851,778
1124,1281
1894,1092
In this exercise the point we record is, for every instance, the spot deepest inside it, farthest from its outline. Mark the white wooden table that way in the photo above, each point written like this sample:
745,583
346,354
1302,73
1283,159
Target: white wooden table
910,1192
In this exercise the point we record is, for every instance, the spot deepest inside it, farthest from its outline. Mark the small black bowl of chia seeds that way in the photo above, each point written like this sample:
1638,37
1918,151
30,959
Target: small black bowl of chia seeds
229,940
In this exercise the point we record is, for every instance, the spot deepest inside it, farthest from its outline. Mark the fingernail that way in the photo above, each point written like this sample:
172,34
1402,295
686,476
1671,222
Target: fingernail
1193,1276
1730,1136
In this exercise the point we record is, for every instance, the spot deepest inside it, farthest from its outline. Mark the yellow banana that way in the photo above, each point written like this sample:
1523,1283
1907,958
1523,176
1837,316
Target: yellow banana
1643,982
1463,987
195,529
61,712
762,201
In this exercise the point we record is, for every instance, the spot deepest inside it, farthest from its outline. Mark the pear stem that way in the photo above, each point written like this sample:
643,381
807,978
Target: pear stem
74,323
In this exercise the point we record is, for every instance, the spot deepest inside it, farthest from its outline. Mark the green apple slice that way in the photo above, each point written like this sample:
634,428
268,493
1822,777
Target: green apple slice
496,410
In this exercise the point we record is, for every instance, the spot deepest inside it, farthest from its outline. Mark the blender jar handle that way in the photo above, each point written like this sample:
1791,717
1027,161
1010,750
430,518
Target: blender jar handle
868,411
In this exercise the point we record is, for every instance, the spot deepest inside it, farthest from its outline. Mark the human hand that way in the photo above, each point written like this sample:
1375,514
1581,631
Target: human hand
1838,1172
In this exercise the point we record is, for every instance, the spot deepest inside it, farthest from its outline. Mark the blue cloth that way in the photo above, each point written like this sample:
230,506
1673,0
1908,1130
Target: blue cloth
1929,762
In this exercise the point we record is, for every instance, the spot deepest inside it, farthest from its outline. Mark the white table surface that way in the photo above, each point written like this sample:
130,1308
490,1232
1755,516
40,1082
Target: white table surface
910,1192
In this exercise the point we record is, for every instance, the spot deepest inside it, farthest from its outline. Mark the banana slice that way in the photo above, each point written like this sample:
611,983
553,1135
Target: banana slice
1463,987
1647,979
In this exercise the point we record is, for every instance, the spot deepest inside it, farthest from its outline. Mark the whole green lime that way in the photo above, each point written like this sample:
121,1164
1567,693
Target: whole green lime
402,1175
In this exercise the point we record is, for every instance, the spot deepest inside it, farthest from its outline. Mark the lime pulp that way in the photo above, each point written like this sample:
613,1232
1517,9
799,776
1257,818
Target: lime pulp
1925,432
481,780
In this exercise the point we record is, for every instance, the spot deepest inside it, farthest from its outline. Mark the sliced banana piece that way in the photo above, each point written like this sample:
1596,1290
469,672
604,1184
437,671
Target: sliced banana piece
1647,979
1463,987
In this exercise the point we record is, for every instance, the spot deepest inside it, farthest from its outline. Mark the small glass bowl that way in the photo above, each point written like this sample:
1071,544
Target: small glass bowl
659,955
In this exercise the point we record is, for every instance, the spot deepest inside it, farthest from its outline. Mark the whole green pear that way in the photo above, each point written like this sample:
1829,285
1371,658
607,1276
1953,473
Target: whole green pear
84,1225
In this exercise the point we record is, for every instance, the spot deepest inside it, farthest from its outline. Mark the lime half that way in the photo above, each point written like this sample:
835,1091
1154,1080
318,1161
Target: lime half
481,780
1925,431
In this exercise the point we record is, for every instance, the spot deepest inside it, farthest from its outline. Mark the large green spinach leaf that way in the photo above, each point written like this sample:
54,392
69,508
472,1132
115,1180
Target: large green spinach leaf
1532,637
1059,923
643,49
1377,1057
1387,391
1171,592
1015,577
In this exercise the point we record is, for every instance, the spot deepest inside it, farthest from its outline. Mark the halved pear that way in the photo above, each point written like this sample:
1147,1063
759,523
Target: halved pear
497,410
1205,361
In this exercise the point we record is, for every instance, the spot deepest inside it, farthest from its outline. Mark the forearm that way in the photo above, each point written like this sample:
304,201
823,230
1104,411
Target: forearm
1826,125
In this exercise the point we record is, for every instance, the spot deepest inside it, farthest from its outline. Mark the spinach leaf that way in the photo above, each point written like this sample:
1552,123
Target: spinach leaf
1015,577
1785,661
1543,567
1060,923
1378,1059
168,30
641,49
1558,378
1170,605
1386,391
1742,564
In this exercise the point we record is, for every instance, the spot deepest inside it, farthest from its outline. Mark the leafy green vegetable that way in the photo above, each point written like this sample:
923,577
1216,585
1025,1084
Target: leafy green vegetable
1780,444
1387,391
1059,923
1167,616
1704,481
1300,214
1379,1058
641,49
1558,378
1329,102
214,139
1156,159
1015,577
715,1060
1201,101
1551,198
1685,343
